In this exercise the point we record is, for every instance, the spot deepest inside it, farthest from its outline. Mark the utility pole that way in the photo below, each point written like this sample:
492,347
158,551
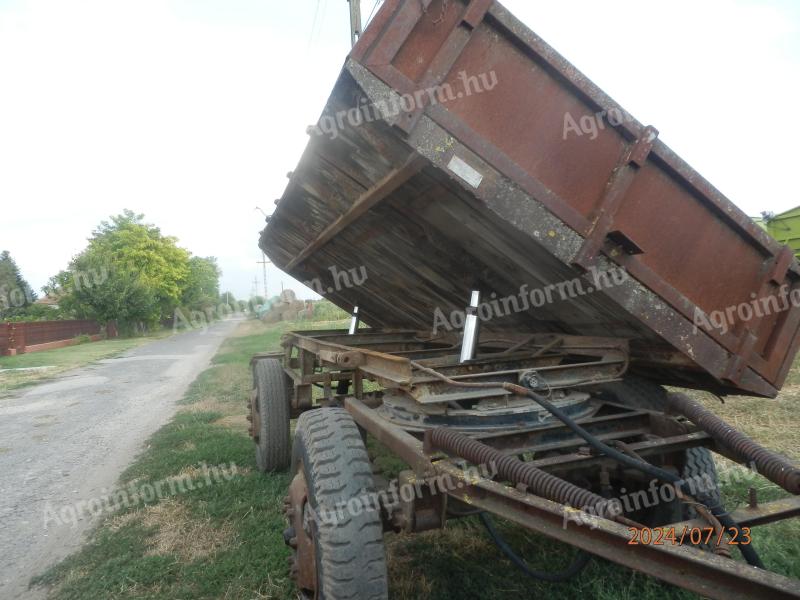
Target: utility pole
254,291
264,262
355,21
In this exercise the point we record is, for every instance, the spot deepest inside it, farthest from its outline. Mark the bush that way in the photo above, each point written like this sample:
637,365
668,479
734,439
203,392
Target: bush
39,312
325,310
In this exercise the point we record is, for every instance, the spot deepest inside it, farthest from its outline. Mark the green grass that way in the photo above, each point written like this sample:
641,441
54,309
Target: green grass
62,359
240,518
225,540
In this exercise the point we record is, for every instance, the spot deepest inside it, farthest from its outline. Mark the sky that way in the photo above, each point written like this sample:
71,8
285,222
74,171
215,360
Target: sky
193,111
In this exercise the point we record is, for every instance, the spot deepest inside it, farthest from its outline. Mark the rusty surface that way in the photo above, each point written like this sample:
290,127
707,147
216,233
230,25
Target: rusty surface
709,575
657,447
299,535
547,207
741,448
701,572
403,444
427,510
554,437
777,510
254,416
390,359
510,468
388,369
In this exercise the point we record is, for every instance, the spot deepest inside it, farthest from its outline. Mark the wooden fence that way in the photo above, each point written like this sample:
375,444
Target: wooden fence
18,338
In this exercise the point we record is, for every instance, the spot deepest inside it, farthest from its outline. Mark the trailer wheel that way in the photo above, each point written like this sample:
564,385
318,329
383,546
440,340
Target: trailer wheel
699,468
700,474
269,413
335,529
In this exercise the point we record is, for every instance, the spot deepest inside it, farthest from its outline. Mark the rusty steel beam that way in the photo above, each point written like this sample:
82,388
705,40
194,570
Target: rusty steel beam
762,514
390,371
403,444
363,336
646,448
701,572
413,165
556,376
399,343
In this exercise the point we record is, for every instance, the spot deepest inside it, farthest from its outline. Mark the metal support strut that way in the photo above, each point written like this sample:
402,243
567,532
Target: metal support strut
469,343
353,322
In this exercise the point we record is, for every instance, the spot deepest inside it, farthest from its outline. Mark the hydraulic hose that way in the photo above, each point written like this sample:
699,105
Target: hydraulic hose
578,564
747,550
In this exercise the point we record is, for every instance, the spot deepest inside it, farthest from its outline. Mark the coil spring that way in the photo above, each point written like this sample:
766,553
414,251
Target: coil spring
512,469
772,466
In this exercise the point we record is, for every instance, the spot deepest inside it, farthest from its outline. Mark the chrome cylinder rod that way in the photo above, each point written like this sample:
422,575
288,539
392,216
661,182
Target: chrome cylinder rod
353,322
469,342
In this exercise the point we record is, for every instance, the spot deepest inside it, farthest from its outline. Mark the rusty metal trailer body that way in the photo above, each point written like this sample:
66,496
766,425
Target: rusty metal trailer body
445,162
445,165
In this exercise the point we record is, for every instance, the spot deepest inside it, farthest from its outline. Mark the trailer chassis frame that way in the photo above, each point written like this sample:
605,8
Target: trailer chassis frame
387,358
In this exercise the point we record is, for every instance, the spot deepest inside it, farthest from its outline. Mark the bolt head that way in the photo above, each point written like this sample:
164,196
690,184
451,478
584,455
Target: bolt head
289,536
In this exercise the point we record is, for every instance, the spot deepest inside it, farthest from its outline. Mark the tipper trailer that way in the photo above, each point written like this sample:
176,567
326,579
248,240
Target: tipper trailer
535,265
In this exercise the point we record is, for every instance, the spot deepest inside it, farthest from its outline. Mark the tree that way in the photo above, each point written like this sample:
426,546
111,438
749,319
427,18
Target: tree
201,290
129,272
15,292
228,298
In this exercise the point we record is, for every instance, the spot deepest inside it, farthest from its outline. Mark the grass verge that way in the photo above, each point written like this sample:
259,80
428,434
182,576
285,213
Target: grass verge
225,540
49,363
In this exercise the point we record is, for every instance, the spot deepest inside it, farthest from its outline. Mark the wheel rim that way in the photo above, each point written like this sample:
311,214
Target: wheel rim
255,417
299,536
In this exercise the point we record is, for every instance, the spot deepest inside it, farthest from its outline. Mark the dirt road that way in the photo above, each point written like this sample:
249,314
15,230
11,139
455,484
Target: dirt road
67,440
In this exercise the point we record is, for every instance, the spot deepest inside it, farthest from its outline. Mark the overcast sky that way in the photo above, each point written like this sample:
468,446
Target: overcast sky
193,111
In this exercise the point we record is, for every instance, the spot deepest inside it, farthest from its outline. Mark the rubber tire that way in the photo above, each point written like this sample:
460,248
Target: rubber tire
351,558
273,450
642,393
637,393
700,463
